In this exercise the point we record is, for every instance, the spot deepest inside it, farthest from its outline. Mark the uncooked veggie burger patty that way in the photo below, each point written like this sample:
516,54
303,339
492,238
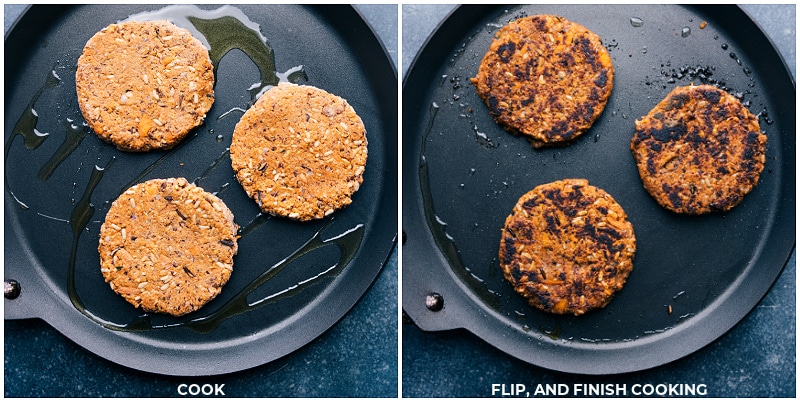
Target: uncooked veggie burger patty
567,247
300,152
545,77
699,150
167,246
144,85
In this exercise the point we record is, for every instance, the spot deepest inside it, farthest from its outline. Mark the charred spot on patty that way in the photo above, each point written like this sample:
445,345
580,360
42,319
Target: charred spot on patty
711,95
602,79
506,50
668,133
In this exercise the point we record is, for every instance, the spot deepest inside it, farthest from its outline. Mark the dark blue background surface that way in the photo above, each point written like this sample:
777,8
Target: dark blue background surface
357,357
755,359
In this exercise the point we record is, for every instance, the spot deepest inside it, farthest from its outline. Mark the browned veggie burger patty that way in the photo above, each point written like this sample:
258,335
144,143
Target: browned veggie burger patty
567,247
545,77
167,246
699,150
300,152
144,85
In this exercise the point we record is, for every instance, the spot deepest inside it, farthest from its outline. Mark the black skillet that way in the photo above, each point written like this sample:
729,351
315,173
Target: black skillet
291,281
694,277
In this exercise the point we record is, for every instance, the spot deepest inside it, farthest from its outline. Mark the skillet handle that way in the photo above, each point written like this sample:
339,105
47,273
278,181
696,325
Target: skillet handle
24,306
457,313
435,302
28,299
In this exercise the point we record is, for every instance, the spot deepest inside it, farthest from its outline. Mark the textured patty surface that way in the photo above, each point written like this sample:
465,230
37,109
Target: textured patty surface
699,150
567,247
545,77
167,246
144,85
300,152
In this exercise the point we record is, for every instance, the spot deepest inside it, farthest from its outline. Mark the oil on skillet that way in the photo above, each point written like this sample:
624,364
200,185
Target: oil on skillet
220,30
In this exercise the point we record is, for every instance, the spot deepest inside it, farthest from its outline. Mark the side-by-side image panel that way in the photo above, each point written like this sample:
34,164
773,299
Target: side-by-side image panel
201,200
598,200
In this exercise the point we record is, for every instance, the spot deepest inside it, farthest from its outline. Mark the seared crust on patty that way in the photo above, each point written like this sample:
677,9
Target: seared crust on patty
545,77
567,247
300,152
699,150
144,85
167,246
